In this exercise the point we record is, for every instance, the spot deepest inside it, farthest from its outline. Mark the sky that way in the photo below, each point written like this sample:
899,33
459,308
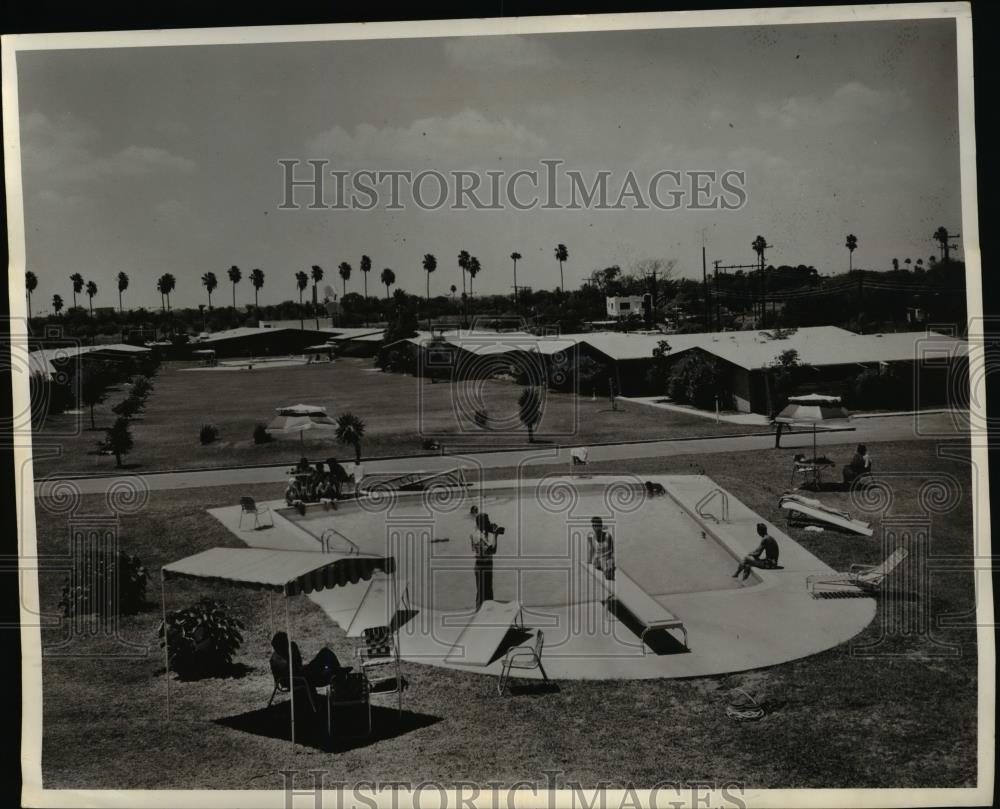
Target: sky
165,159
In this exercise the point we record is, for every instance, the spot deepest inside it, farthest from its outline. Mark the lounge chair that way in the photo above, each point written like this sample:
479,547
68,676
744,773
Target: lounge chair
523,657
279,671
248,506
381,652
860,578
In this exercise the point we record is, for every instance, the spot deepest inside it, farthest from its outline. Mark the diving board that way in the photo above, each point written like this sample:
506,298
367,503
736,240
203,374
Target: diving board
482,636
646,609
377,606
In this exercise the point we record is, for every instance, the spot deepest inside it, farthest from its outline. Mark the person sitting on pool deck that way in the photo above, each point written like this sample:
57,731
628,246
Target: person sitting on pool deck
860,465
601,549
768,547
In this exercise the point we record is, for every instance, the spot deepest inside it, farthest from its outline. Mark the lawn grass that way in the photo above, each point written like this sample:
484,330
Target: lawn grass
906,719
399,412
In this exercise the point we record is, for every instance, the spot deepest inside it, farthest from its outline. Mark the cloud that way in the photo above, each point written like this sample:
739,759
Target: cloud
467,137
850,103
66,150
499,53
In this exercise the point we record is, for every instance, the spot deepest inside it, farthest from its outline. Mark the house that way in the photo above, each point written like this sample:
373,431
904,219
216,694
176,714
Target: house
250,341
622,306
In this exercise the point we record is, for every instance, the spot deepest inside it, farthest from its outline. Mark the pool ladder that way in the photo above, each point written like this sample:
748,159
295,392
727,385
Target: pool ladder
700,506
331,534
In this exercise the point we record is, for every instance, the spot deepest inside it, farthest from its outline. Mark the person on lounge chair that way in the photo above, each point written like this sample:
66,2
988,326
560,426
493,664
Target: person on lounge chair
320,671
601,549
860,465
768,548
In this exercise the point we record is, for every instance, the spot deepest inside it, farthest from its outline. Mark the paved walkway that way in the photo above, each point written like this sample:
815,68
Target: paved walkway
868,431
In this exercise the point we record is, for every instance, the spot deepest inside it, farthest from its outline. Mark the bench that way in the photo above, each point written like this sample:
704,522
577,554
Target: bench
647,610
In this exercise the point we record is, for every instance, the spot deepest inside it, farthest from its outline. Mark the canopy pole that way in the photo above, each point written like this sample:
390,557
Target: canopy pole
291,670
270,611
166,641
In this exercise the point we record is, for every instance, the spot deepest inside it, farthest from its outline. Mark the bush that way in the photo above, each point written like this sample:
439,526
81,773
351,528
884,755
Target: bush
260,434
128,406
209,433
698,380
141,387
880,391
202,639
93,578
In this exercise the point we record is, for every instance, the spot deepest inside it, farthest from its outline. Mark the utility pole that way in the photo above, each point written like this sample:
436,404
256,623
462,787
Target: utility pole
704,287
725,267
944,239
715,291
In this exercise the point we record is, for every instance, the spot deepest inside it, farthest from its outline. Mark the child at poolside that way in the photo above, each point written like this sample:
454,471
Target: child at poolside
768,547
484,551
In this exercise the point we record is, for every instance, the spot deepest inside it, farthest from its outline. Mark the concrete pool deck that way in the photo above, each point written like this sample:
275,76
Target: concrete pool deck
771,620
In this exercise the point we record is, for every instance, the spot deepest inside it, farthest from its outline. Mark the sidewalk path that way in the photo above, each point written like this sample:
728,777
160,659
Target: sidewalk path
867,431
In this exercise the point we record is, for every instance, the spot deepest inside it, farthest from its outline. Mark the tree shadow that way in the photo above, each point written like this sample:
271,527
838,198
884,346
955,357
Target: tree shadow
234,671
350,724
532,688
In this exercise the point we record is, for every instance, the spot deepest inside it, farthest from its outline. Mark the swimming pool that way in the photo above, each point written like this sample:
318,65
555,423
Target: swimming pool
540,557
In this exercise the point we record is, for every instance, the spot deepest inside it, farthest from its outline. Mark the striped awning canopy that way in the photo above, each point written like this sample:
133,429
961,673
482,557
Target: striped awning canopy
288,572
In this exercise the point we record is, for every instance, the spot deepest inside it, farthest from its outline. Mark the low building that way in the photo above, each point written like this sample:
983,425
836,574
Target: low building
623,306
250,341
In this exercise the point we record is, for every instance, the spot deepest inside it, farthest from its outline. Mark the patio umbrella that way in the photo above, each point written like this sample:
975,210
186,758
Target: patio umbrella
291,424
300,410
814,408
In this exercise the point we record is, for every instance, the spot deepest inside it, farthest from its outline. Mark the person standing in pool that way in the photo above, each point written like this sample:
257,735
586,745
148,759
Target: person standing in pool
484,551
768,547
601,548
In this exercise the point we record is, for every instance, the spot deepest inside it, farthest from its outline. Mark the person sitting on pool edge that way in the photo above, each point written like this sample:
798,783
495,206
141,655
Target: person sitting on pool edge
601,549
768,547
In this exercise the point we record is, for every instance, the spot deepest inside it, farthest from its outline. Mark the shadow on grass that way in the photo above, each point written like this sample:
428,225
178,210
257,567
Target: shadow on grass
234,671
310,727
532,688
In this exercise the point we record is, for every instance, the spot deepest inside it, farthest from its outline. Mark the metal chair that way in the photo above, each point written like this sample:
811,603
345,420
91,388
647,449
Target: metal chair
249,506
523,657
381,650
283,684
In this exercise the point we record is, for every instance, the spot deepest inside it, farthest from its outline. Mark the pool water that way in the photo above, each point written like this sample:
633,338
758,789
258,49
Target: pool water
538,561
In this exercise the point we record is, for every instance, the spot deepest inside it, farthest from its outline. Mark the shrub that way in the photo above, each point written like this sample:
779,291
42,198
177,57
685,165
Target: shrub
260,434
697,380
202,639
880,391
117,439
208,433
93,579
128,406
141,387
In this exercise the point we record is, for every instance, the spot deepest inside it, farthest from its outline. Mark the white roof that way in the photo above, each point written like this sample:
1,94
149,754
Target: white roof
816,345
245,331
67,352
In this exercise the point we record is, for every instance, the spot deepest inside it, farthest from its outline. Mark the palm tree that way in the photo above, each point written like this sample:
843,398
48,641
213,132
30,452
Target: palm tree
366,267
388,278
430,264
941,236
169,284
453,289
57,303
344,270
91,292
474,269
895,263
301,281
77,280
210,282
159,288
562,254
851,244
529,405
30,284
235,276
122,286
257,279
317,276
350,431
515,257
463,264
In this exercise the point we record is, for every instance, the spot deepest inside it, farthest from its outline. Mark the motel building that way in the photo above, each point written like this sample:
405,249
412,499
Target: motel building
623,306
